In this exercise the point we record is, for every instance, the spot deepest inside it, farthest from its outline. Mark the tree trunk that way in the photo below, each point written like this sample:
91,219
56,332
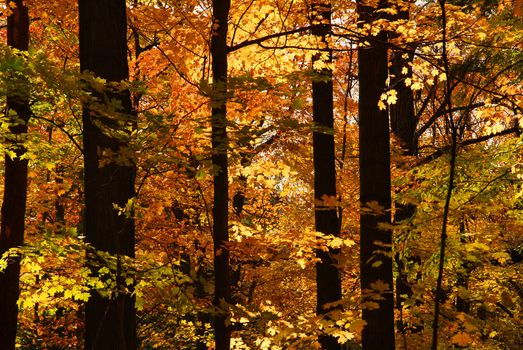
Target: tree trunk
222,291
375,188
328,278
463,274
15,183
109,172
403,126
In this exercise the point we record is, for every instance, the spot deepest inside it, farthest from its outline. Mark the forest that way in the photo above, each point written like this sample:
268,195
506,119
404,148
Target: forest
261,174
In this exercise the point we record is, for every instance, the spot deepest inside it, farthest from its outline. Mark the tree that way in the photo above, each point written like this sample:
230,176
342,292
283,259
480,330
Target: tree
403,122
222,289
402,115
328,277
375,187
109,170
15,180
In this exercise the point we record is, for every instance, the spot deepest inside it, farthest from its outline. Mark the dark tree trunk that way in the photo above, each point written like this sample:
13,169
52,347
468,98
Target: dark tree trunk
402,116
403,126
222,291
375,187
59,203
403,120
109,173
462,278
328,278
15,183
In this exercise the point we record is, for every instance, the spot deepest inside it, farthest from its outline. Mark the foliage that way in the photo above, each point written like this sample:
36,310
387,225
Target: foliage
272,238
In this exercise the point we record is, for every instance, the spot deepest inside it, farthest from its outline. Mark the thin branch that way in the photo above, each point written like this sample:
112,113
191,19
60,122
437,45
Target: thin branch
267,37
180,73
504,308
240,19
69,136
441,112
442,151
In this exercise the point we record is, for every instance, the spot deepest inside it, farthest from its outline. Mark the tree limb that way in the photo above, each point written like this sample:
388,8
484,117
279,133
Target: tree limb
267,37
441,151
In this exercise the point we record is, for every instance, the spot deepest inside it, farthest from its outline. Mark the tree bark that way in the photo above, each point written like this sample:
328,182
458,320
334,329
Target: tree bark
402,115
375,190
328,277
403,125
15,183
109,172
222,291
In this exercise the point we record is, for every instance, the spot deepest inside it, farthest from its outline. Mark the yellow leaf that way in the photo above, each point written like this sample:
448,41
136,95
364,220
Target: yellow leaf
416,86
380,286
357,326
335,243
392,98
302,262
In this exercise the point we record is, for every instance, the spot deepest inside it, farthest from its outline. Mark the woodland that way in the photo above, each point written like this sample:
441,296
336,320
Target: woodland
261,174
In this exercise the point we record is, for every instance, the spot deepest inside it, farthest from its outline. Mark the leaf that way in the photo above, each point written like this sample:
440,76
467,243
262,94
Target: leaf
380,286
302,263
357,326
373,207
462,339
336,243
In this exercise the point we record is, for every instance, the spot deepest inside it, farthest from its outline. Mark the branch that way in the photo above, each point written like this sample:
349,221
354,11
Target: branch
61,128
265,38
240,19
517,287
180,73
440,112
504,308
441,151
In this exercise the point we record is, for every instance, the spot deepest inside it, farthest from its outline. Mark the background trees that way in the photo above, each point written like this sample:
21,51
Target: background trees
272,241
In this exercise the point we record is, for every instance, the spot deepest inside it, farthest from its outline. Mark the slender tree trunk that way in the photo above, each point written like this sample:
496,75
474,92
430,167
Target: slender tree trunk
15,184
463,274
452,172
328,278
109,171
375,187
222,291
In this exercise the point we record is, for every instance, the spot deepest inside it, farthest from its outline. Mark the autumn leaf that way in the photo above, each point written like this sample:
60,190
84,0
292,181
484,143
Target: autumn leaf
462,339
379,286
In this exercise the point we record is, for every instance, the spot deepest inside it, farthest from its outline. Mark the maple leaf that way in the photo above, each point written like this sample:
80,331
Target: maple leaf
373,207
380,286
357,326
